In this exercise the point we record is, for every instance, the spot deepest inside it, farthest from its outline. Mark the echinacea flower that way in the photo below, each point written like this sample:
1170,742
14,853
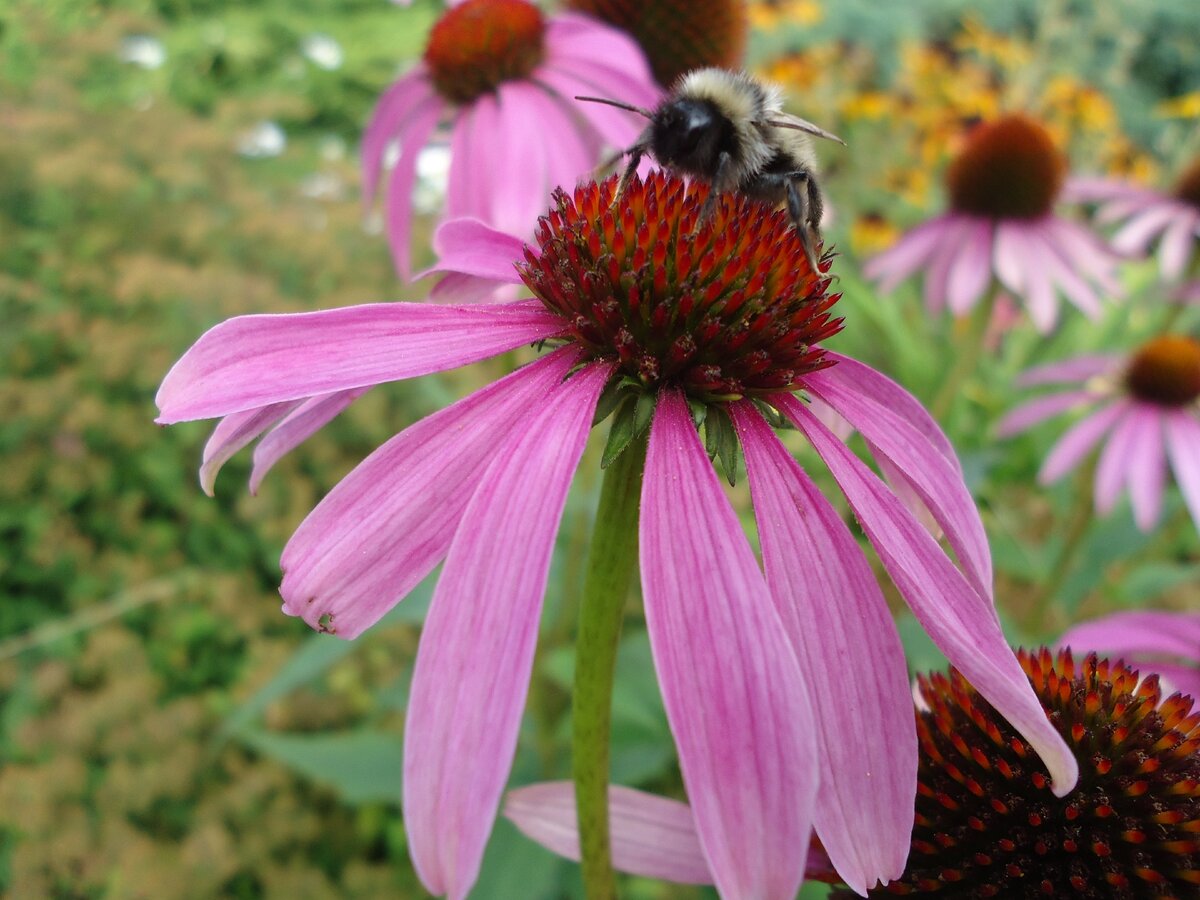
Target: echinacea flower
986,821
722,320
1165,643
503,75
1148,404
1146,216
1001,227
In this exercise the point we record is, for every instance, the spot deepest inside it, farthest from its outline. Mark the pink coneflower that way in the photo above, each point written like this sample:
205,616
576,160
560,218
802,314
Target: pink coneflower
1147,216
1165,643
1001,227
722,320
1149,406
504,74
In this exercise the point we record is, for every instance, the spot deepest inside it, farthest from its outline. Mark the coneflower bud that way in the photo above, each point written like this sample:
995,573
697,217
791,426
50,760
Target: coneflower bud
1008,169
1166,371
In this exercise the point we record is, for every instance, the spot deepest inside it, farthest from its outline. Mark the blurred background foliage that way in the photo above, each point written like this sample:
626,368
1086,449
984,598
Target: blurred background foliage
164,731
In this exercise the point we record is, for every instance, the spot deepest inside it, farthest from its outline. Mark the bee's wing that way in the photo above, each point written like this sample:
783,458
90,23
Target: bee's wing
783,120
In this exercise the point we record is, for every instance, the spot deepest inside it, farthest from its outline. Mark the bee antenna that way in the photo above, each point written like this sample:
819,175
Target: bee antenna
619,105
803,125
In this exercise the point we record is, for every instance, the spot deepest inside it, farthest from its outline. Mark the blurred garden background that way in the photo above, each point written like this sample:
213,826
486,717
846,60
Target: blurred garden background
165,731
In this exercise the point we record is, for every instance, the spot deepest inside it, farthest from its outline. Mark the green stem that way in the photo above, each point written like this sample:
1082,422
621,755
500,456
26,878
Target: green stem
611,565
970,351
1077,525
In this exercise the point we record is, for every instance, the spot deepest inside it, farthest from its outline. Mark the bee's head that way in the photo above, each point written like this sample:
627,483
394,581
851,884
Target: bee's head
686,134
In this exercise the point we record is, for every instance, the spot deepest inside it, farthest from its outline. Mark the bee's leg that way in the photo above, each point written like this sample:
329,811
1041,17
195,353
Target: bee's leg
805,210
635,154
716,187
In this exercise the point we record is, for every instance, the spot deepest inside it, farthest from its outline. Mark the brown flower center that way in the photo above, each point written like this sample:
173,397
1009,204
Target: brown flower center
1166,371
1008,169
479,44
724,309
1187,188
677,35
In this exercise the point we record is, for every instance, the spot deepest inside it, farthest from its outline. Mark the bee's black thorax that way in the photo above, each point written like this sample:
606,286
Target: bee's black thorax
690,135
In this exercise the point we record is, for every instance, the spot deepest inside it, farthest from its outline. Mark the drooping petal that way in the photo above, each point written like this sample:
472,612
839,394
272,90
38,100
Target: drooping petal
1177,243
937,273
253,361
731,685
1040,298
398,206
1009,258
1088,255
971,270
232,434
1060,267
456,289
302,423
578,37
1081,368
937,482
1136,235
1039,410
472,247
1078,442
851,659
1112,469
873,385
476,652
1183,448
618,128
468,181
907,256
1147,465
391,520
961,621
388,120
651,836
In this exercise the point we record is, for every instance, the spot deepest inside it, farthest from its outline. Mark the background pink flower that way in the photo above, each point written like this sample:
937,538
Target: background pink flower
1148,405
504,75
1001,227
1163,642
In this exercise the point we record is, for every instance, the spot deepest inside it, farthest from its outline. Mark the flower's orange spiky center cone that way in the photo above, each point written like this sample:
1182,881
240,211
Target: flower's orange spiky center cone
677,35
1166,371
726,309
480,44
1187,188
1008,169
988,825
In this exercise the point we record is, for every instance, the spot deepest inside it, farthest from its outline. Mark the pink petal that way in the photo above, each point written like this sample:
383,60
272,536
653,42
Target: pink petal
398,203
391,520
873,385
468,183
903,488
1183,447
253,361
955,238
730,681
1058,263
1039,295
850,657
1147,465
1177,244
907,255
472,247
1078,442
1081,368
1036,411
1138,232
302,423
938,483
1086,254
617,127
1093,188
971,270
960,620
651,836
392,113
1112,470
1009,258
476,652
581,38
232,434
1142,632
457,289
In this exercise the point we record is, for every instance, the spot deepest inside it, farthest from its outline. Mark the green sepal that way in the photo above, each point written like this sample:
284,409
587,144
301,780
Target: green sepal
722,443
610,399
644,412
622,430
774,417
699,411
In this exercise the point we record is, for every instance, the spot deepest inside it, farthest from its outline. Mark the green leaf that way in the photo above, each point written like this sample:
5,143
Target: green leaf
514,866
622,430
610,399
361,766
